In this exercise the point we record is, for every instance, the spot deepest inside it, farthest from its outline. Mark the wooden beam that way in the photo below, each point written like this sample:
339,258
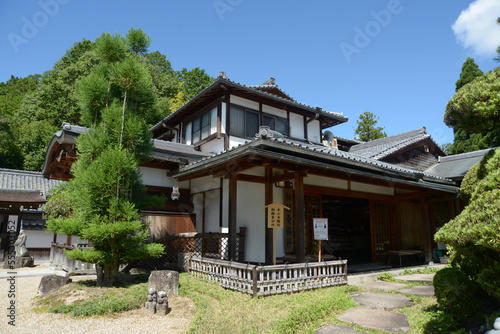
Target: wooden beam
269,231
300,217
232,217
251,178
282,177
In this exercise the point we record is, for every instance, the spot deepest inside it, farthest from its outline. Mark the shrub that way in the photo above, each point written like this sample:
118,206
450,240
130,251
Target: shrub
456,292
386,277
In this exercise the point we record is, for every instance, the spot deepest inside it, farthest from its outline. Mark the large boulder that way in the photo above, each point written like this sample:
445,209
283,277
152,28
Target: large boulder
50,283
164,280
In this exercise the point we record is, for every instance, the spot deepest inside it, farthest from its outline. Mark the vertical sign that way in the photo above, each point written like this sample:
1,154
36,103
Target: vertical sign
275,219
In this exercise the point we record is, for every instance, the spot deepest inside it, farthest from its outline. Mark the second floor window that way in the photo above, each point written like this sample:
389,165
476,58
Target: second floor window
277,124
243,122
201,127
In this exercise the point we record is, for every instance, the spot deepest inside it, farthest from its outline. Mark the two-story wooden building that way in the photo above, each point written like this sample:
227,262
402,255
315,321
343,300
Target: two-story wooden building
233,149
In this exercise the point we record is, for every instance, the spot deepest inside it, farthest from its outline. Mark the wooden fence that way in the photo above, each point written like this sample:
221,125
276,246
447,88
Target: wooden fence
59,259
269,280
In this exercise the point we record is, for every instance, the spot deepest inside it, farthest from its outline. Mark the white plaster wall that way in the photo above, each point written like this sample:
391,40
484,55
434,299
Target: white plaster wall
43,239
235,141
213,146
198,211
204,183
296,126
225,203
369,188
313,132
321,181
212,210
250,214
158,177
244,102
274,111
223,117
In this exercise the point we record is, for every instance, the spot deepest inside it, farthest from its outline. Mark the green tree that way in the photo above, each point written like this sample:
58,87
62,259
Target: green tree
498,49
470,71
193,81
138,41
473,234
367,129
106,193
474,109
467,141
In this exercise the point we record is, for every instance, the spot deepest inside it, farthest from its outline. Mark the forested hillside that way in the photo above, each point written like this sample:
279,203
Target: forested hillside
33,108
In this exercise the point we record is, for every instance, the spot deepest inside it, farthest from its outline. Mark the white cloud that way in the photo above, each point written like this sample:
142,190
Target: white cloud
477,27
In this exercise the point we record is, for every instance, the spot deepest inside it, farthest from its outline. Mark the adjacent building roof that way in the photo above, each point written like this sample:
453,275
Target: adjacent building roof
223,84
17,186
61,151
379,149
456,166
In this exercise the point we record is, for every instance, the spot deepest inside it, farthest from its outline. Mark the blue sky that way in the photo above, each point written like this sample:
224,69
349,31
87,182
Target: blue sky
397,59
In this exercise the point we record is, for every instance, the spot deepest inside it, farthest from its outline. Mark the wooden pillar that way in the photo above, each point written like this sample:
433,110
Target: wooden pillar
269,231
232,216
426,229
300,217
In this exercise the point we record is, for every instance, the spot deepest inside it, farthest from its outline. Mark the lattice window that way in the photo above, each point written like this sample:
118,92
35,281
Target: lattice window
382,228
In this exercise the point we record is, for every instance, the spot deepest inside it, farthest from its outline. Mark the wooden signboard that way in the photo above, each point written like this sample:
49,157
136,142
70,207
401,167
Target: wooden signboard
275,219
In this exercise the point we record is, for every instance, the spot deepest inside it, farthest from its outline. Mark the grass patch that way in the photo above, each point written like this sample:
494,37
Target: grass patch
84,298
224,311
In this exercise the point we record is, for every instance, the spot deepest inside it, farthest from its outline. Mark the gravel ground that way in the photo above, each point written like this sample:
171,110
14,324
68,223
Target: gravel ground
135,321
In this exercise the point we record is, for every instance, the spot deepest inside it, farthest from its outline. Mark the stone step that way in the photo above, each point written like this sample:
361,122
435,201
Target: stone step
376,319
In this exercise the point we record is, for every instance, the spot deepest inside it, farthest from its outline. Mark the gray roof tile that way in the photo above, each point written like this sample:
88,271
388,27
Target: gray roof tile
11,179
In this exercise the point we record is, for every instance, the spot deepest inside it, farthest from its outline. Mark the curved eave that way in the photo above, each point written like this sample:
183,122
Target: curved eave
318,160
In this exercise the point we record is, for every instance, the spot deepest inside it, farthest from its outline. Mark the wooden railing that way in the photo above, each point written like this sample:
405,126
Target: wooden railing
59,259
269,280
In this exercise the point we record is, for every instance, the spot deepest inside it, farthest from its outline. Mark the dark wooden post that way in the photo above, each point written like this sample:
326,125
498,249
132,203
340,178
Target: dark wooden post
426,228
269,231
300,217
241,246
232,216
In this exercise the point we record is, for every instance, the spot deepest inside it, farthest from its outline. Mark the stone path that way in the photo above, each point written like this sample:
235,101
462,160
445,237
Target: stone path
375,310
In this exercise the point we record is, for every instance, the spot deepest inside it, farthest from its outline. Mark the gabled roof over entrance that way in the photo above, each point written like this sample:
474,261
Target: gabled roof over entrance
267,92
292,154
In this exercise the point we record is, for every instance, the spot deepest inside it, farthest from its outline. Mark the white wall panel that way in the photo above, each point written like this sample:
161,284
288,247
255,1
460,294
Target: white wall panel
296,126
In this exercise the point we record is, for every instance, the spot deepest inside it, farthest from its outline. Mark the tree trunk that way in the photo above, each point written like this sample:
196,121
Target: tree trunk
123,115
110,275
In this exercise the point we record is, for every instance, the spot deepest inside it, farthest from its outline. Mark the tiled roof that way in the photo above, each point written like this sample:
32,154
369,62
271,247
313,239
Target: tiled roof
11,179
222,79
380,148
309,148
456,166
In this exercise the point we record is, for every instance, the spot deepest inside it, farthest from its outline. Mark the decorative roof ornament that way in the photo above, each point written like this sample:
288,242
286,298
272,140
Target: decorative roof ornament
175,192
264,132
270,82
222,75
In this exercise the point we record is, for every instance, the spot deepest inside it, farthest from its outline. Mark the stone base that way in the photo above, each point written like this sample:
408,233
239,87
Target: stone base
20,262
51,283
24,261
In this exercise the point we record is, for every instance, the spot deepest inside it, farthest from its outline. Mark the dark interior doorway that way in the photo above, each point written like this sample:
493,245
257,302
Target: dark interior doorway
348,228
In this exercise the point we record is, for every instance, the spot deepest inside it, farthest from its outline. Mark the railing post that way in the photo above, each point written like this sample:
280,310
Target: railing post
254,281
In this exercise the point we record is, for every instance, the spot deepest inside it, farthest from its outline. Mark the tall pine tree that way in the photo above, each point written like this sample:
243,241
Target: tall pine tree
367,129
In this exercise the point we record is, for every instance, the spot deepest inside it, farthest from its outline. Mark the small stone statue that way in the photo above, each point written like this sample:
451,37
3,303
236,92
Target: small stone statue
496,327
157,302
20,245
